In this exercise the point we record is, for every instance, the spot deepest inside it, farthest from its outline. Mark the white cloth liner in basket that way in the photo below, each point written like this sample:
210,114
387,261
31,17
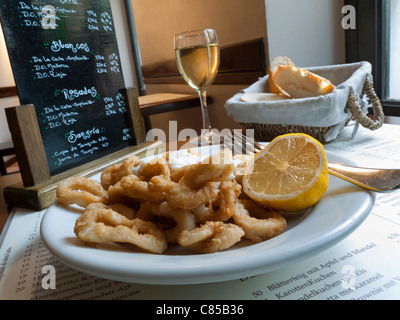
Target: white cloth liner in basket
323,111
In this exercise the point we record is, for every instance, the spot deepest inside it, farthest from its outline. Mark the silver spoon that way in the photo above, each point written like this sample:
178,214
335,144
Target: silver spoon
373,179
379,180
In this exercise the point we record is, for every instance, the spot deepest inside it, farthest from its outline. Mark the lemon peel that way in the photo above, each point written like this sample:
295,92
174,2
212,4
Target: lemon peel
290,174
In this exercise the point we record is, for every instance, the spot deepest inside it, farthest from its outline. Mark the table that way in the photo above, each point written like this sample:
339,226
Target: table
6,149
5,181
166,102
369,255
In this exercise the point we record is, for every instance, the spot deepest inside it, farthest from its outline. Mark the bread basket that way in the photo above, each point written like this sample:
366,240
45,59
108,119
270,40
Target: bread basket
322,117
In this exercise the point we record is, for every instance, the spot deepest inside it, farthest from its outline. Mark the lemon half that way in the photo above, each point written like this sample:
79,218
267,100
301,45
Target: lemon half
290,174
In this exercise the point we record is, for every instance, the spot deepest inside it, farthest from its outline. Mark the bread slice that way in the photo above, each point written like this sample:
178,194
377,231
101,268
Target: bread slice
301,83
278,61
261,96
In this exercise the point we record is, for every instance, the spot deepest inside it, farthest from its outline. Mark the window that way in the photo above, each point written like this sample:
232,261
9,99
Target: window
394,51
376,39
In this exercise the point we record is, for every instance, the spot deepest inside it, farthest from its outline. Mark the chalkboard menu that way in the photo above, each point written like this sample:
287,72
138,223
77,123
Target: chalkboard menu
65,61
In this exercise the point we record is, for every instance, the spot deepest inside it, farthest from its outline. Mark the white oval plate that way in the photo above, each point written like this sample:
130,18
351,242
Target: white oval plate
340,211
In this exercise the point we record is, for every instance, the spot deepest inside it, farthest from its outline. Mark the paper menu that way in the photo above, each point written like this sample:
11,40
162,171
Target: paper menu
365,265
378,149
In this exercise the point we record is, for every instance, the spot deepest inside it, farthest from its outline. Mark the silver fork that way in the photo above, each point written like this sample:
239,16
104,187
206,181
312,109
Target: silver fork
379,180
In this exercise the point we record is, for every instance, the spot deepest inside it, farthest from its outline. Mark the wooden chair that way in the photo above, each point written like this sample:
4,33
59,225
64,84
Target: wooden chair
241,63
165,102
6,148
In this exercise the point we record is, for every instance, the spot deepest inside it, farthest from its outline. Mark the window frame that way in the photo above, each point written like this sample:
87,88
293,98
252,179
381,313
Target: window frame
366,43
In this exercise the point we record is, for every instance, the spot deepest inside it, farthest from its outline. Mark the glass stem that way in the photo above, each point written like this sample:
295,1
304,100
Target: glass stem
204,111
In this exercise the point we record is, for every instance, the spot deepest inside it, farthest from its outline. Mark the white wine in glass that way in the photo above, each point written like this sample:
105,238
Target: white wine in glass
197,58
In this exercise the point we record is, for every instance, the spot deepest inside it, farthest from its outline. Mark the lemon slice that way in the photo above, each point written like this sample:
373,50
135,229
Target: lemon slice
290,174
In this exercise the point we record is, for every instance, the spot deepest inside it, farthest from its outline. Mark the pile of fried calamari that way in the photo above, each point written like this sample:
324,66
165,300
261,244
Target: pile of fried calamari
150,205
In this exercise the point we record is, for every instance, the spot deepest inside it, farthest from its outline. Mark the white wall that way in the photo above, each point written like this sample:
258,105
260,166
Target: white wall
307,31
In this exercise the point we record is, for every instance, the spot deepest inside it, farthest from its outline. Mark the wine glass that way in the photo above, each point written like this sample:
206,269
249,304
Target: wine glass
197,58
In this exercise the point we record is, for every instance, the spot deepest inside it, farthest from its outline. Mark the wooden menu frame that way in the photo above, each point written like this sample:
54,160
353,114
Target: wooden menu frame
37,191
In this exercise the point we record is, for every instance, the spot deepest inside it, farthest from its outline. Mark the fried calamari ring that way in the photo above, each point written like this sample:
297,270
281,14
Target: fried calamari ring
97,226
109,175
128,212
229,192
114,173
128,165
184,219
139,190
116,194
215,168
178,162
211,237
137,186
223,207
81,191
178,173
196,187
267,225
155,167
241,162
179,195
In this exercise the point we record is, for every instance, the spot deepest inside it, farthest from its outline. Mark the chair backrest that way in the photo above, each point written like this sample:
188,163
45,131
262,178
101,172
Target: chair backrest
6,92
241,63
